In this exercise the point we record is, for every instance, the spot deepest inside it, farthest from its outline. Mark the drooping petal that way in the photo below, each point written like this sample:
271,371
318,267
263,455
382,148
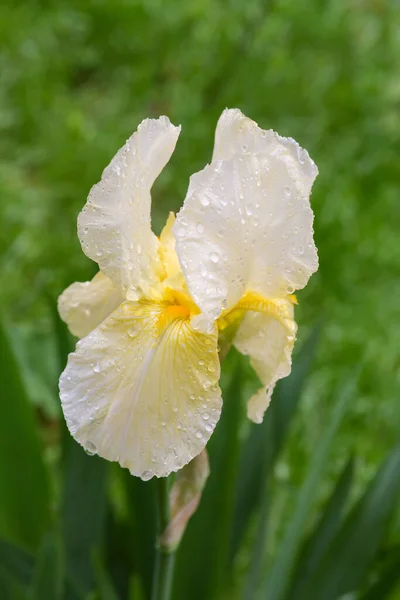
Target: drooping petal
84,305
142,389
269,343
246,225
237,134
114,226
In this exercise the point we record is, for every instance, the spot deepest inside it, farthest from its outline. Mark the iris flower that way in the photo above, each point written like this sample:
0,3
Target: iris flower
142,386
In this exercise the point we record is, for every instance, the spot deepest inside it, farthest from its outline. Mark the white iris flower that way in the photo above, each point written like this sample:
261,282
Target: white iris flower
142,387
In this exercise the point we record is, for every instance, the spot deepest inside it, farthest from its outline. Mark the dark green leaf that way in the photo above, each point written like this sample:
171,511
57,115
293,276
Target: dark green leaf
351,552
16,561
84,505
207,535
48,581
24,491
318,542
388,579
104,584
276,581
10,588
266,440
142,529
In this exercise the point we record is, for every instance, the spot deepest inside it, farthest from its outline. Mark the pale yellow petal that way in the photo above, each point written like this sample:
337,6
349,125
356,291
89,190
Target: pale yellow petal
246,225
237,134
142,389
115,226
268,342
84,305
169,258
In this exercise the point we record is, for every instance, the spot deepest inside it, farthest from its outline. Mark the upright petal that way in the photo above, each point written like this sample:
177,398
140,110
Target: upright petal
115,226
237,134
246,225
142,389
83,306
269,343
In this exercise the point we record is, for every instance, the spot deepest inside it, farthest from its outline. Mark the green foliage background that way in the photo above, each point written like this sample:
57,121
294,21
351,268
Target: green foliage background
77,77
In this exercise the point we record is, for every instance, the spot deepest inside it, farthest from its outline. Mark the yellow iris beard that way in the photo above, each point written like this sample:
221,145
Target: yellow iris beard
176,305
277,308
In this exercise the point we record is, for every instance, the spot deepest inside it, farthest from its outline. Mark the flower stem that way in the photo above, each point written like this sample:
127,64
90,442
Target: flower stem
165,558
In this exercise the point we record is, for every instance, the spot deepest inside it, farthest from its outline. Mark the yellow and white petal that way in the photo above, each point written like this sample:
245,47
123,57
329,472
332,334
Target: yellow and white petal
246,225
84,305
237,134
172,269
115,225
268,341
142,389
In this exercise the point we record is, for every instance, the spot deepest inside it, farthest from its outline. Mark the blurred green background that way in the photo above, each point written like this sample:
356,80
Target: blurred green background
76,78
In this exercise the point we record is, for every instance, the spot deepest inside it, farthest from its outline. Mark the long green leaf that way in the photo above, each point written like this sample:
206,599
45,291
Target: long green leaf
10,588
16,561
207,535
277,579
24,490
84,504
318,542
388,579
48,581
350,554
139,547
265,441
104,584
20,565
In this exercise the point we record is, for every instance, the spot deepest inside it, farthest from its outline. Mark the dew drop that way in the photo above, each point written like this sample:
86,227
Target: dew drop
214,257
146,475
97,368
199,435
139,248
90,448
200,228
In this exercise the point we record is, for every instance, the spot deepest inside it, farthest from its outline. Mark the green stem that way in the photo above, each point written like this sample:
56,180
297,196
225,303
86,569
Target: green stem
165,558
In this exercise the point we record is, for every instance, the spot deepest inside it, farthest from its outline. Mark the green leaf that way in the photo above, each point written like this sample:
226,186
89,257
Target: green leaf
104,584
84,505
142,531
388,579
10,588
17,562
318,542
48,581
266,440
207,535
351,552
24,490
276,581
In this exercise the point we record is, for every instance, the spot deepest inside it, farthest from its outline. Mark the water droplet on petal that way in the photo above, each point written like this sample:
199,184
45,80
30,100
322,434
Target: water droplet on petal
214,257
146,475
90,448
